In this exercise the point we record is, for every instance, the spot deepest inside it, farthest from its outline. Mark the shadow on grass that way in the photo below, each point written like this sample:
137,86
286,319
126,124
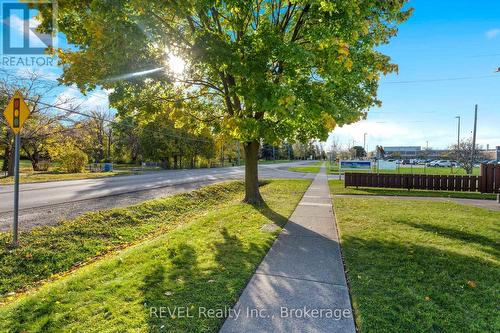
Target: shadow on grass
164,303
271,215
194,288
490,245
410,287
190,286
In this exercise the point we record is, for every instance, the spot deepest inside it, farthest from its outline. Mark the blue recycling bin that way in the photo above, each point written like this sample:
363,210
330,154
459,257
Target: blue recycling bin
108,167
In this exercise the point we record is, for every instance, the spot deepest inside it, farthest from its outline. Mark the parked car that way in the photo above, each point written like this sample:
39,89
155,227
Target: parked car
441,164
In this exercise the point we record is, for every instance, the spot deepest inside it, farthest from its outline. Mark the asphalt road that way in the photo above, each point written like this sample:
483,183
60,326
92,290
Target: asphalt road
50,202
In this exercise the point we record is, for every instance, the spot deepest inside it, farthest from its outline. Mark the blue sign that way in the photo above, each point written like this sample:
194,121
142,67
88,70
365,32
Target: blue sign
363,165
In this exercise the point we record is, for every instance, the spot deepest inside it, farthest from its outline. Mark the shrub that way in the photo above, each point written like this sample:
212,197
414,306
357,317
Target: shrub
74,160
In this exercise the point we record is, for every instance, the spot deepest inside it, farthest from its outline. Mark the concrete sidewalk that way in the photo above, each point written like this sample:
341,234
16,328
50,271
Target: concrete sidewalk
300,285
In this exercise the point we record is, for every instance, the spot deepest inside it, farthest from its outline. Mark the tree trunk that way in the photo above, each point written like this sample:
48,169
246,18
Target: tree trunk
6,158
8,164
35,159
252,194
10,170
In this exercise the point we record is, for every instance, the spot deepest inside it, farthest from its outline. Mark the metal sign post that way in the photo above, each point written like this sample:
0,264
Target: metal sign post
15,225
16,113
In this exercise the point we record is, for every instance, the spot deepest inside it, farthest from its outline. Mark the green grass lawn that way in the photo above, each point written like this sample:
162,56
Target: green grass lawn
421,266
337,187
312,168
202,249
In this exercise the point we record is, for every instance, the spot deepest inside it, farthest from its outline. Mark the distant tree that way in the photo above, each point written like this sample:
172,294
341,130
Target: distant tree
161,141
44,120
97,128
290,153
359,152
37,135
126,145
380,152
266,151
463,155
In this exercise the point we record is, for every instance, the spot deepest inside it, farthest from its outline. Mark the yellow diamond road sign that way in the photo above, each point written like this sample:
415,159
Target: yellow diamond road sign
16,112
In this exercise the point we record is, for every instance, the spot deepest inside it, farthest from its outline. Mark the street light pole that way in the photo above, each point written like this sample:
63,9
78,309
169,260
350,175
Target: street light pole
474,136
364,141
458,141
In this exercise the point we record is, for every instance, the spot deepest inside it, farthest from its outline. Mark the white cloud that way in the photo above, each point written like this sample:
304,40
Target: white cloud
43,73
71,98
490,34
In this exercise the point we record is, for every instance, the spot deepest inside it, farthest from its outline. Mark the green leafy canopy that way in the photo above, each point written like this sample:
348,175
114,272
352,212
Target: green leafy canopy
272,69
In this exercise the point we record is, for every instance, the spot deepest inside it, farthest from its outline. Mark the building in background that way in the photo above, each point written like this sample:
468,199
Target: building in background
489,154
416,152
403,152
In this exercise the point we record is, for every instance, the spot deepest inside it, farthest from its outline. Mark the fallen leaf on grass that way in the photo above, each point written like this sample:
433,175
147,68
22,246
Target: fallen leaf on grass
471,284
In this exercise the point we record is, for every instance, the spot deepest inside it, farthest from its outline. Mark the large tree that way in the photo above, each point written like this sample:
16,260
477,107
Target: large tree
255,69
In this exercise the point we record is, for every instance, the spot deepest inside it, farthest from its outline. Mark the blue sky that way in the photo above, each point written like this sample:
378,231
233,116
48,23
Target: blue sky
443,39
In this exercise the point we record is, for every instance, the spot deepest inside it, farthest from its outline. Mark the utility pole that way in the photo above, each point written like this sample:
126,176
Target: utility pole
364,141
474,136
458,141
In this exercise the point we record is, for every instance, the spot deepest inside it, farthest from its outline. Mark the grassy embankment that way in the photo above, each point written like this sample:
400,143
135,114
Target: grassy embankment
194,250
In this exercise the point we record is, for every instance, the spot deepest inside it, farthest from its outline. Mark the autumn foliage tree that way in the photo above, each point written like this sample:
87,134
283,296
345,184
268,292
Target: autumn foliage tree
44,121
255,69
